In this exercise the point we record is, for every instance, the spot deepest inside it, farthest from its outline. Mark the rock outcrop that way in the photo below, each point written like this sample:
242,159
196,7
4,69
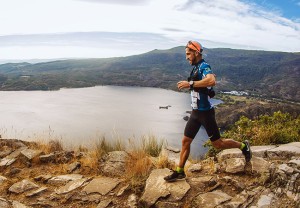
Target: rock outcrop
31,178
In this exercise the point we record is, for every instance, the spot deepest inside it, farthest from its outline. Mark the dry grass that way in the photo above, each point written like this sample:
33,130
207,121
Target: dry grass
89,163
151,145
139,163
138,166
103,147
48,146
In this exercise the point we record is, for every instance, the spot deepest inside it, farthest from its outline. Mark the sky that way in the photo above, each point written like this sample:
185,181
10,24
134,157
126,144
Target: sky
55,29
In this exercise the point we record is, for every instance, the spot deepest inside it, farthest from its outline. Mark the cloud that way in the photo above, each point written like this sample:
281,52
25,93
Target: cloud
122,2
125,27
240,23
90,39
80,45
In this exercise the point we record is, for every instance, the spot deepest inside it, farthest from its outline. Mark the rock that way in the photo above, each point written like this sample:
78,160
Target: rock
22,186
210,199
285,151
7,161
265,201
4,203
161,204
122,190
114,164
101,185
238,185
43,178
2,179
63,179
295,162
30,153
132,201
14,171
6,152
72,167
285,168
172,156
16,153
70,186
36,192
259,165
91,198
238,200
16,204
195,168
257,151
228,154
235,165
261,151
47,158
104,203
152,193
203,181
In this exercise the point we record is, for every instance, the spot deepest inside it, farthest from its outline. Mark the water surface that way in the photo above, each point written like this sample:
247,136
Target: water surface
81,116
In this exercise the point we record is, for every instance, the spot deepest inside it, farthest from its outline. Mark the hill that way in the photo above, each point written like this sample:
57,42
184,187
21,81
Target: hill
261,73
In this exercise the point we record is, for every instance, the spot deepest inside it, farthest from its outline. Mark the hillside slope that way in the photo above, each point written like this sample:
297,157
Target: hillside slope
267,74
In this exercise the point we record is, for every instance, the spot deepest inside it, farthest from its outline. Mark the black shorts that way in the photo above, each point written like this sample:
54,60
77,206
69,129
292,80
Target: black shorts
205,118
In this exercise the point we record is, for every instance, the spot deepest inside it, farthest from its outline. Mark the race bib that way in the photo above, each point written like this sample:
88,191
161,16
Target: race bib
195,97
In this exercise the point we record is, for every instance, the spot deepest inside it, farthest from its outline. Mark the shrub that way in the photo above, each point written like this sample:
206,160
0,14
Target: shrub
279,128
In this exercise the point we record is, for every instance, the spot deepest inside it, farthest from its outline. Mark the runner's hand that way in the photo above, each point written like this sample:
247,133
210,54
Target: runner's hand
183,84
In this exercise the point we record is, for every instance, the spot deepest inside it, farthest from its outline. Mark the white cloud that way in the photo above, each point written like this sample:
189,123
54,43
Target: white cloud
216,23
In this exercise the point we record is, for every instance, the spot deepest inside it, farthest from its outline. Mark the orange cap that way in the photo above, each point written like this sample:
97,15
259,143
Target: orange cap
194,45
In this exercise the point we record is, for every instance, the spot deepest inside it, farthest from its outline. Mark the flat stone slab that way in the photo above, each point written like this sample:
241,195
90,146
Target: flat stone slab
16,204
285,151
157,187
210,199
203,181
4,203
258,151
70,186
115,163
259,165
36,192
2,179
16,153
104,203
22,186
101,185
62,179
30,153
7,161
295,161
235,165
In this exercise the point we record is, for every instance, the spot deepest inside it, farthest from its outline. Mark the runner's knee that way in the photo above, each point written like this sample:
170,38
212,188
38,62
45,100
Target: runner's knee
186,141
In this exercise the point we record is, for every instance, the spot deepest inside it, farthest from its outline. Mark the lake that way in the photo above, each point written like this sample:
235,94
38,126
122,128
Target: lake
81,116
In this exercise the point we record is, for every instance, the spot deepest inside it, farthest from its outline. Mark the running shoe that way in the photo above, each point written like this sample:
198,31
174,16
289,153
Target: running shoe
175,176
247,151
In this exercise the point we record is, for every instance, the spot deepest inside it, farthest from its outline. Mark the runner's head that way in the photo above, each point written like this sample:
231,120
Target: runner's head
193,52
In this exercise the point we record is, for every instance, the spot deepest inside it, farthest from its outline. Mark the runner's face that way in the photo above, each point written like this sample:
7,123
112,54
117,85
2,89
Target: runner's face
190,56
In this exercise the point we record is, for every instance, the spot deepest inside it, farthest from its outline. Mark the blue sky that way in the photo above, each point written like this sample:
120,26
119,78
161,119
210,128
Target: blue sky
50,29
287,8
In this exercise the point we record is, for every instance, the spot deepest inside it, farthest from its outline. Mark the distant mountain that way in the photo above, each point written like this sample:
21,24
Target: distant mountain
261,73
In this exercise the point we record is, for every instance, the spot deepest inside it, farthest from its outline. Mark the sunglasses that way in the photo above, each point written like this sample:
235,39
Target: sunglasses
195,47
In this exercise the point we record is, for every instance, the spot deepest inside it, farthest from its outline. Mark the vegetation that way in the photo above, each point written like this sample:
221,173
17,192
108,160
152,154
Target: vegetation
279,128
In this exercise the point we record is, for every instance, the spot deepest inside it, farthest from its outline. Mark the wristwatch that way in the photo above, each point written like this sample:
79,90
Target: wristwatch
191,85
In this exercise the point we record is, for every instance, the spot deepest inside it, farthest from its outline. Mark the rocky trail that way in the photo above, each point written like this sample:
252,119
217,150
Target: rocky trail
31,178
